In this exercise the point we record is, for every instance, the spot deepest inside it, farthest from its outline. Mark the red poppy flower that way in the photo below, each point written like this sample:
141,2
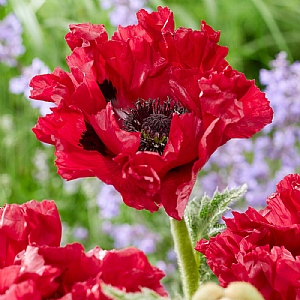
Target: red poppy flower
69,273
145,110
37,268
30,223
262,247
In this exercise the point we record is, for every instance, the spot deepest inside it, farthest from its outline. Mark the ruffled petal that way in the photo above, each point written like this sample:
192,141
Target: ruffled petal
85,35
191,49
176,188
182,147
30,223
52,87
156,23
242,107
117,140
261,247
129,269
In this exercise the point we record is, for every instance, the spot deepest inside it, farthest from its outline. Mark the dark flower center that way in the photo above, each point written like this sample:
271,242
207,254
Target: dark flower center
91,141
153,120
108,90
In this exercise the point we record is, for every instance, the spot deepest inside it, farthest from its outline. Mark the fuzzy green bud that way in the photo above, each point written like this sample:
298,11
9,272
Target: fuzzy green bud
235,291
208,291
242,291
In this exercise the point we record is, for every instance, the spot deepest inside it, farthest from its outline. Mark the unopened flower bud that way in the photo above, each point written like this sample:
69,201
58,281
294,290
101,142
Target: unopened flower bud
208,291
242,291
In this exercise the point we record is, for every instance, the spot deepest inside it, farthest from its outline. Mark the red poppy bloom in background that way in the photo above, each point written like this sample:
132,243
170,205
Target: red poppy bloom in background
69,273
145,110
31,223
33,266
262,247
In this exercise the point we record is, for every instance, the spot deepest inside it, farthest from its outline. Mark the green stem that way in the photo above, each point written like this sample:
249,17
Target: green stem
185,256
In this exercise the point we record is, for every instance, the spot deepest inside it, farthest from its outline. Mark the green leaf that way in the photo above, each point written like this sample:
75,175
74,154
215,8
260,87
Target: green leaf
145,294
203,214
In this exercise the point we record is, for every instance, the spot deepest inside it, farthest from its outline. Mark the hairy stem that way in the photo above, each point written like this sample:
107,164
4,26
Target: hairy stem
186,258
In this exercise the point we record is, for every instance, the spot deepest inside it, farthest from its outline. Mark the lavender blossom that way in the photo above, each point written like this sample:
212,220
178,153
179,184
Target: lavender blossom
283,90
137,235
263,160
80,233
69,233
11,44
171,255
122,12
3,2
167,268
20,84
109,201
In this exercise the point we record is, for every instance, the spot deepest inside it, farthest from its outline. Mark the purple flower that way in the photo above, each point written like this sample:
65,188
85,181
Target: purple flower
11,44
167,268
171,255
109,201
3,2
254,167
226,167
137,235
20,84
263,160
80,233
283,90
69,233
123,11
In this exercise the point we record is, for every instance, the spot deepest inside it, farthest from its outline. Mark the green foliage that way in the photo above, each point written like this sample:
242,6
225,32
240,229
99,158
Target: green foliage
145,294
203,219
203,214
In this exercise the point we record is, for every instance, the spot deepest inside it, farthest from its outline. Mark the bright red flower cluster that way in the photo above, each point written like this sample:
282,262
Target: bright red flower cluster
262,247
33,266
32,223
145,110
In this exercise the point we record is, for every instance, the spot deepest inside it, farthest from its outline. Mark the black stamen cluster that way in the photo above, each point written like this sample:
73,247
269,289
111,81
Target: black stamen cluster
153,119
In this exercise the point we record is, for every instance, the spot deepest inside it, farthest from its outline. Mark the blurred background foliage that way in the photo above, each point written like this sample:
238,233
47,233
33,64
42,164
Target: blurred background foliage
253,30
